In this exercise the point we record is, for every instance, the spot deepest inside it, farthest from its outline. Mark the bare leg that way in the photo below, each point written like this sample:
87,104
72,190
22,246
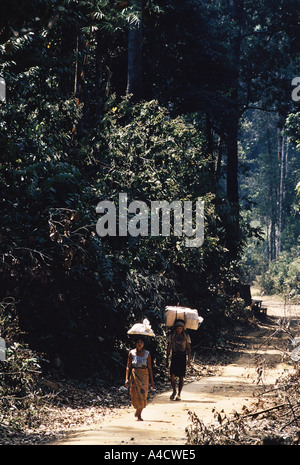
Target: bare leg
180,386
139,414
173,383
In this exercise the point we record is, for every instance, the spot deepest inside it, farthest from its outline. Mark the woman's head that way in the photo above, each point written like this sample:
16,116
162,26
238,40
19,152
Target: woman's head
139,342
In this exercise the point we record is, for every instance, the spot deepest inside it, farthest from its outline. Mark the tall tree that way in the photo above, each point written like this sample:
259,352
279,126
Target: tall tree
270,180
135,40
222,59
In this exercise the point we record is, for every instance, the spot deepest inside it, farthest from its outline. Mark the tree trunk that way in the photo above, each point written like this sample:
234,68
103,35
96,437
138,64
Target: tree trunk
272,241
134,71
210,144
99,78
233,188
219,158
232,163
232,129
282,155
76,66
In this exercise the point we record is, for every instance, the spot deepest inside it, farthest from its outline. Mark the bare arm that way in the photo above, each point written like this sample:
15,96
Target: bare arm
168,353
189,352
149,363
128,369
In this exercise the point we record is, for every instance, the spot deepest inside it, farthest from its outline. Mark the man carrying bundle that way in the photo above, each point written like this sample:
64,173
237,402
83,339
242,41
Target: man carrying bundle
180,344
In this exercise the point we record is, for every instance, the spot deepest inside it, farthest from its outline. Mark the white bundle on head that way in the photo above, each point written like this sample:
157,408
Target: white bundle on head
143,329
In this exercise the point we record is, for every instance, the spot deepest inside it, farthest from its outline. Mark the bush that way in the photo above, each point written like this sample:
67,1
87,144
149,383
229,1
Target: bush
20,372
282,276
77,294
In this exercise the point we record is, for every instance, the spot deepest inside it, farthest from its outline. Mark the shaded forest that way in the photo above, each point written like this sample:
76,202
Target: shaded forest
161,100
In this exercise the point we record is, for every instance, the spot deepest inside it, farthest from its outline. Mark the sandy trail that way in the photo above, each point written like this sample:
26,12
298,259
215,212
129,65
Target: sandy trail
165,421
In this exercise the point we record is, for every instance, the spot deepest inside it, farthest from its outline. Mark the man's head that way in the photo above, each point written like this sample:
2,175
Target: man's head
179,327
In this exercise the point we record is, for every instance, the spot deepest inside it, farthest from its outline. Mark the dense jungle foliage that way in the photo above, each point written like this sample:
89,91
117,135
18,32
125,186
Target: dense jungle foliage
161,100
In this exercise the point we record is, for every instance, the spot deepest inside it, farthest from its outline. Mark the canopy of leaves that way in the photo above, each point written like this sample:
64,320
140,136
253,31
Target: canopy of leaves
69,139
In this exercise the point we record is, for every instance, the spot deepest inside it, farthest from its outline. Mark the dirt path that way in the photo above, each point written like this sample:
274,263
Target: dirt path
231,389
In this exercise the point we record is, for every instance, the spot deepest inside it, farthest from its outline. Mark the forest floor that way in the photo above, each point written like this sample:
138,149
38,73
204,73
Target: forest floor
236,394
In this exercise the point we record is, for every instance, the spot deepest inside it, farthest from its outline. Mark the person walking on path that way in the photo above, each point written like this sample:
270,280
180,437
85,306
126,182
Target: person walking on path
179,343
138,372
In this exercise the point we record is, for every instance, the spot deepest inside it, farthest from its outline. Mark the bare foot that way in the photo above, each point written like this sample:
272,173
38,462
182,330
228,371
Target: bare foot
138,414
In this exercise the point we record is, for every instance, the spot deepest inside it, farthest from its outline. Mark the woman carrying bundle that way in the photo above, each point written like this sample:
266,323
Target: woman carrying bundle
138,372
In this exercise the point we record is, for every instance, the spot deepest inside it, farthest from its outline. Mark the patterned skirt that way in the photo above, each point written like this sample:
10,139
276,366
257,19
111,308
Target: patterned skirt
138,387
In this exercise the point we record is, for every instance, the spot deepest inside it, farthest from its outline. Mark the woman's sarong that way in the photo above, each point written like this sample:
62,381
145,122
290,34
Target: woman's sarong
138,387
